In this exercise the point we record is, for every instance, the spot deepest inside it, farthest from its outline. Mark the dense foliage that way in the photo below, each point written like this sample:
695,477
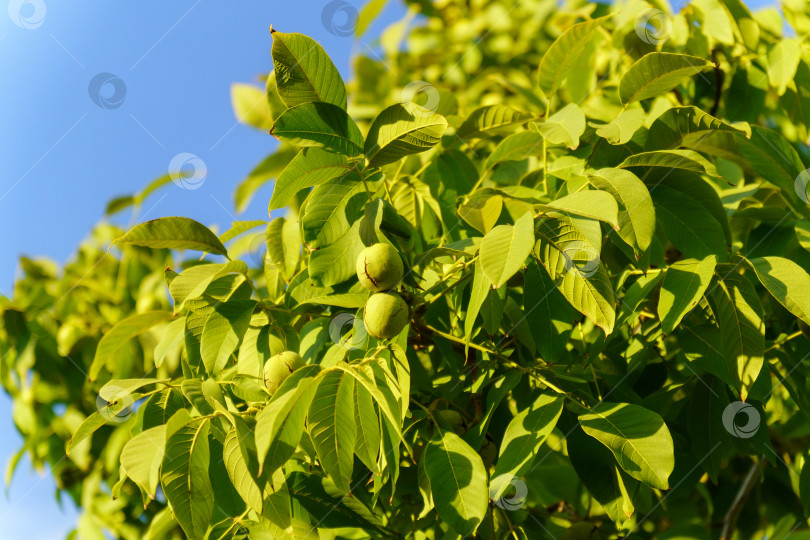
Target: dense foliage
589,313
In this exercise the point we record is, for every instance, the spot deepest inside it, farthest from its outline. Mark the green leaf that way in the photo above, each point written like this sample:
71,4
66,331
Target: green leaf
238,455
636,212
142,456
311,167
184,477
223,331
283,246
516,147
622,128
548,314
367,15
367,445
738,312
688,160
505,248
598,471
491,120
639,439
193,282
657,73
250,106
119,389
565,126
564,54
576,269
174,233
523,437
458,481
91,424
337,263
332,426
331,209
401,130
304,72
280,424
120,335
591,204
482,214
481,285
688,224
788,282
320,125
684,284
783,60
686,126
240,227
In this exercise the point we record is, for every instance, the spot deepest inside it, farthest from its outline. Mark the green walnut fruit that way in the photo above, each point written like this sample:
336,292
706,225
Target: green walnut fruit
379,267
385,315
279,367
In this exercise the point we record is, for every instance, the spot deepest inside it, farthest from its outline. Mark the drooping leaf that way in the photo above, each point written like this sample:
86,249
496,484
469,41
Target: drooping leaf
524,435
788,282
174,233
636,212
657,73
458,481
639,439
684,284
505,249
688,160
576,269
241,464
738,312
184,477
142,456
480,287
331,423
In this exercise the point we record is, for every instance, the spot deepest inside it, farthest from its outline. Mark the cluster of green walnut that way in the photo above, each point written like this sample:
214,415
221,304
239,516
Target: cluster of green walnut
379,269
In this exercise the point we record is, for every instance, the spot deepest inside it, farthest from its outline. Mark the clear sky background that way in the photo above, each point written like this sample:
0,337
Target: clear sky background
62,156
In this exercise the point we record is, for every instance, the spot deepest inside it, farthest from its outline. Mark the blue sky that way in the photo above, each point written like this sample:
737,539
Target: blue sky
64,156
